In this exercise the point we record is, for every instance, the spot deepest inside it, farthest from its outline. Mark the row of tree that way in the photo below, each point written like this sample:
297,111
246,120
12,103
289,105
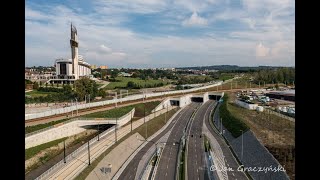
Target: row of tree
194,79
133,85
280,75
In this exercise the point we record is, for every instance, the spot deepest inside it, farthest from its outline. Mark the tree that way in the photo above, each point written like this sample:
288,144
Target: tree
46,85
35,85
130,84
102,93
85,86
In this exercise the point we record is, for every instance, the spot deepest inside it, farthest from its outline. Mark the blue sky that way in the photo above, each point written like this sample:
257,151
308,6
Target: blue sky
163,33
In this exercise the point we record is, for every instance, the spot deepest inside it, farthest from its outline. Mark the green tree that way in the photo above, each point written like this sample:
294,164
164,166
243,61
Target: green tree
85,86
130,84
35,85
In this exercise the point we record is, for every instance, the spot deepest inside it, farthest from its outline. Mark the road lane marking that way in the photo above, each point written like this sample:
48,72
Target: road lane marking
233,174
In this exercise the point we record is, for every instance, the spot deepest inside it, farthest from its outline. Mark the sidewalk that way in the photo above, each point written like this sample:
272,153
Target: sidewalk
116,158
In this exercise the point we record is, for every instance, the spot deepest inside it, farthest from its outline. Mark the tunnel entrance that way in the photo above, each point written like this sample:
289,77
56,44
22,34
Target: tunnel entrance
100,127
196,99
174,103
214,97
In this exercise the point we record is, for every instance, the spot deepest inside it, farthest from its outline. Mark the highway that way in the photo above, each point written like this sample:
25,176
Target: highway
168,160
228,157
196,165
130,171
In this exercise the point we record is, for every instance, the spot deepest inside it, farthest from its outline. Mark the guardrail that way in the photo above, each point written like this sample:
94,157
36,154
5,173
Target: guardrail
106,102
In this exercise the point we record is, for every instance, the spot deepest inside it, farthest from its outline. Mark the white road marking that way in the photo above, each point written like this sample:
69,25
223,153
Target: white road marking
233,174
167,166
166,174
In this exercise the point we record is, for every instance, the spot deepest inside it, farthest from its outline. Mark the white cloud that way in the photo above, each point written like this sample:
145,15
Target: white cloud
105,49
261,50
195,20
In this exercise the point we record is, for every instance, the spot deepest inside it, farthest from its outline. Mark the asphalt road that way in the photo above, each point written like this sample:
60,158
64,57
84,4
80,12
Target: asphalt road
196,165
228,157
168,160
130,171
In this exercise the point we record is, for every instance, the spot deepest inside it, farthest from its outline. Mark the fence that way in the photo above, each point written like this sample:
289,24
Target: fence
106,102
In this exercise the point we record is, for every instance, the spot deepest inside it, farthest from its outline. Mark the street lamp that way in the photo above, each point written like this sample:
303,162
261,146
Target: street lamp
89,152
64,151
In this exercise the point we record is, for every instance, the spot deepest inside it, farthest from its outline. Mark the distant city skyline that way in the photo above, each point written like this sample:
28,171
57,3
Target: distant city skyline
162,33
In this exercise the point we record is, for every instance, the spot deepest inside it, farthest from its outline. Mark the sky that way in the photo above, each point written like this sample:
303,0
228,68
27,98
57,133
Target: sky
162,33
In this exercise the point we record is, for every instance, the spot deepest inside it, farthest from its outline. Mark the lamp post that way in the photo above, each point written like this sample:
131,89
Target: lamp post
64,151
115,130
89,152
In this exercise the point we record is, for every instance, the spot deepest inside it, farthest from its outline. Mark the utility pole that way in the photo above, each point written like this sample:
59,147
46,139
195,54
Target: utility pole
89,151
231,85
259,84
131,120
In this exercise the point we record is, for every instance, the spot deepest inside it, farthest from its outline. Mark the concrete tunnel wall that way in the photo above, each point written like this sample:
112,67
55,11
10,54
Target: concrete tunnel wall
71,128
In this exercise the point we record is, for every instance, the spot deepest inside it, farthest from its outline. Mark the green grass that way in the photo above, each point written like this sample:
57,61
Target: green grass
29,153
124,81
153,126
233,124
118,112
30,129
36,93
